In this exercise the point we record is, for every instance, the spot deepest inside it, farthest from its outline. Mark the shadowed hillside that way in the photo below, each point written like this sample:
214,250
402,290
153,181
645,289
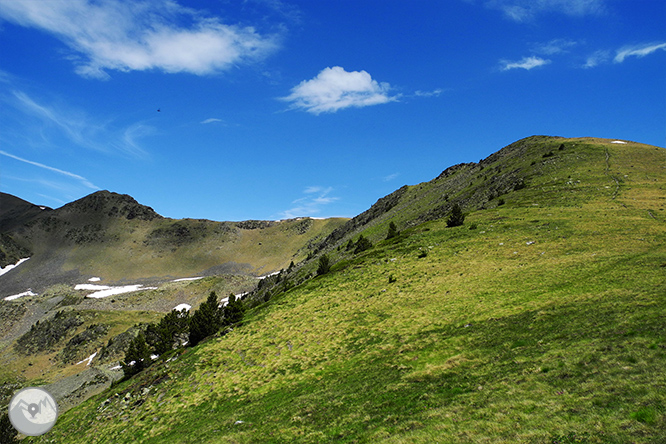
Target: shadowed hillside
112,236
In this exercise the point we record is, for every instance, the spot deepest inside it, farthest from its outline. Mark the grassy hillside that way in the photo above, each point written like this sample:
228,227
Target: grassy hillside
541,320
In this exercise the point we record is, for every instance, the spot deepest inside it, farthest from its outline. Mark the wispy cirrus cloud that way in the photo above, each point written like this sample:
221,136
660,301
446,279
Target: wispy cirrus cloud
638,51
604,56
555,46
85,182
37,120
211,120
141,35
526,63
311,204
597,58
528,10
334,89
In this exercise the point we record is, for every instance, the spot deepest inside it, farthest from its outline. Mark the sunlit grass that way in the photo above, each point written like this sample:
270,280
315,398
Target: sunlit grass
544,324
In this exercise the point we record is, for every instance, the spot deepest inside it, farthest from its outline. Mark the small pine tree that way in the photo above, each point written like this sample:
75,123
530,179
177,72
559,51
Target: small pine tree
362,244
456,218
324,265
138,353
350,245
205,321
392,231
162,336
233,312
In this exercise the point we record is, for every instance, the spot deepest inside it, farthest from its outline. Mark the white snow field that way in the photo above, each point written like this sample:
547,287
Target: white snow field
182,307
89,359
103,291
187,279
20,295
619,141
94,279
10,267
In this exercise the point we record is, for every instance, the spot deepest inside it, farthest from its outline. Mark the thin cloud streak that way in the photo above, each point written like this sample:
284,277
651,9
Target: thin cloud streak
211,120
79,129
310,205
83,180
638,51
526,63
528,10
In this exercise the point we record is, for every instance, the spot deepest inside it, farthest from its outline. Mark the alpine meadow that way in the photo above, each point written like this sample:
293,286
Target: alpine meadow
538,319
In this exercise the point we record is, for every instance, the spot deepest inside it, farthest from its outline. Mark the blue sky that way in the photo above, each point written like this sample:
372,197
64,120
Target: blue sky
270,109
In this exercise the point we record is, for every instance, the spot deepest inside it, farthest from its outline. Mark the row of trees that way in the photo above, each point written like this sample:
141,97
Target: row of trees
177,328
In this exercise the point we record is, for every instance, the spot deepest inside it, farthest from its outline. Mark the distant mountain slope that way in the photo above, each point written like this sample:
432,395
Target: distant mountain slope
540,320
479,186
113,236
15,211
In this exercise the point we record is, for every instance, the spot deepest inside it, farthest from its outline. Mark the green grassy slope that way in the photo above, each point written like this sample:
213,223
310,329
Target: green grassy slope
544,324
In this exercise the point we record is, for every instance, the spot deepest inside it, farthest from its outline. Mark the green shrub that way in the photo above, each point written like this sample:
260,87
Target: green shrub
362,244
457,218
392,231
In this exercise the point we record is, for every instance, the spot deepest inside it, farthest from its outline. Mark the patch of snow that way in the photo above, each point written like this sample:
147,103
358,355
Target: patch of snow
42,208
103,291
20,295
153,357
10,267
268,275
619,141
187,279
117,367
94,279
182,307
529,243
89,359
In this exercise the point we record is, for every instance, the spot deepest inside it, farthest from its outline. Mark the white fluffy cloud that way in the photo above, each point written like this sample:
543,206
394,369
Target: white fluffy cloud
334,89
525,63
140,35
638,51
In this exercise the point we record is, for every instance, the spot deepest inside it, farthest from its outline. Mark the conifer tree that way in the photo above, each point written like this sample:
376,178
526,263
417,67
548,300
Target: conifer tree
233,311
392,231
206,321
163,335
137,356
324,265
362,244
456,218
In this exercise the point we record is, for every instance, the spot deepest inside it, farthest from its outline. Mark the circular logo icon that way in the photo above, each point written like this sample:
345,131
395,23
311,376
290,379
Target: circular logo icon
33,411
